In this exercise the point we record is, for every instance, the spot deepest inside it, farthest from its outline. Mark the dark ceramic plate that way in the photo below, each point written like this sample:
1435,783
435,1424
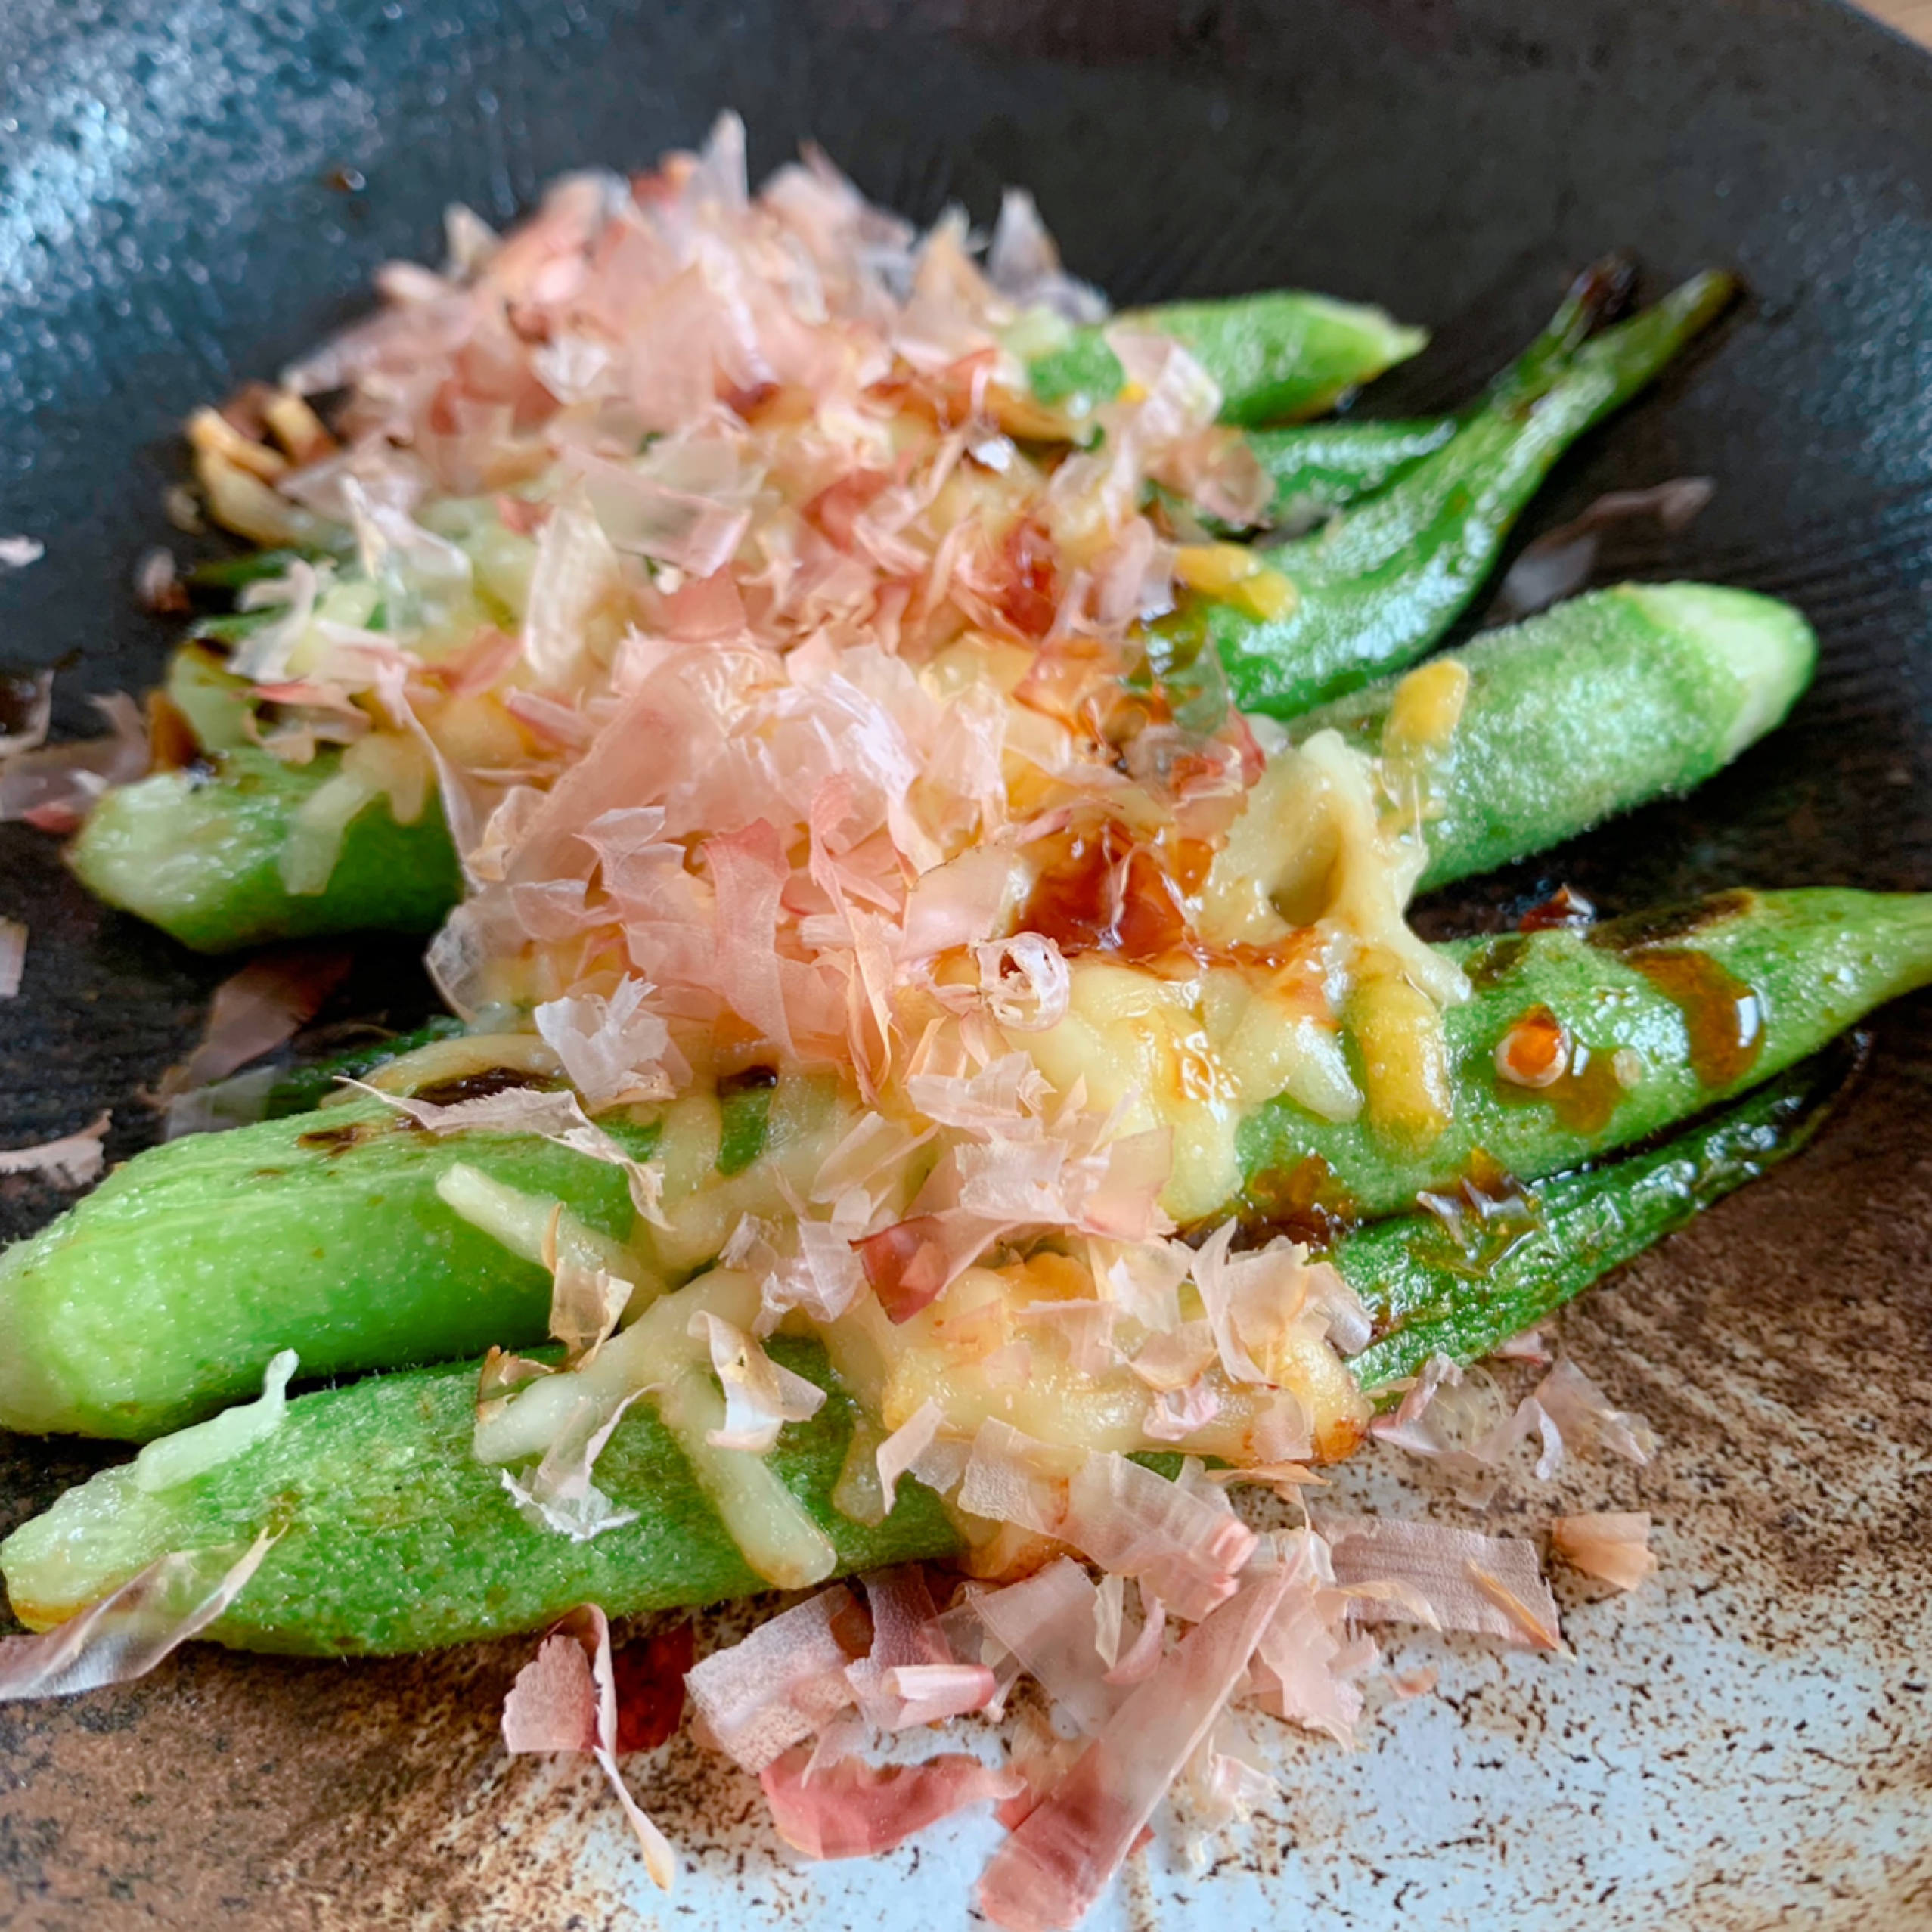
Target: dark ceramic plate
194,191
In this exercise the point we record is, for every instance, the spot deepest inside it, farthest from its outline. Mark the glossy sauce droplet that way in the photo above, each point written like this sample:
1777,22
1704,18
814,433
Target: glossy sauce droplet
1487,1215
1565,907
1305,1201
1584,1096
1535,1053
1027,578
1098,891
1723,1016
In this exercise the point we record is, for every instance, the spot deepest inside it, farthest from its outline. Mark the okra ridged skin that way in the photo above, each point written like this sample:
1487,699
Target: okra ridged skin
1319,468
1378,587
1274,357
1589,709
198,853
1429,1296
395,1538
1701,1002
159,1298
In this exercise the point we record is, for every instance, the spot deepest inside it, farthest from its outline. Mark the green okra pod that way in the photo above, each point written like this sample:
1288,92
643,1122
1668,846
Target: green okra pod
1584,711
1275,357
1320,468
199,853
1576,1043
1375,588
163,1295
149,1303
1461,1281
159,1297
394,1537
301,1089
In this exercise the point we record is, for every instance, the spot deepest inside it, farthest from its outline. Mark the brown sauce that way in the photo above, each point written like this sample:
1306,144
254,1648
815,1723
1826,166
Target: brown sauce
1565,907
334,1140
1304,1202
1722,1015
1484,1217
1494,961
1638,932
481,1085
1583,1097
1100,891
1027,574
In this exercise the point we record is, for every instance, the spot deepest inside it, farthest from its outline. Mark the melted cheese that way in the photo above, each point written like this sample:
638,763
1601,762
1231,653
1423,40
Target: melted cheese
1312,852
1196,1056
657,1355
1139,1041
968,1354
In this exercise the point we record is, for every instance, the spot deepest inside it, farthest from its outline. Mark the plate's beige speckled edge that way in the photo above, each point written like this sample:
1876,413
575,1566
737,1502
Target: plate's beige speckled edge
1745,1743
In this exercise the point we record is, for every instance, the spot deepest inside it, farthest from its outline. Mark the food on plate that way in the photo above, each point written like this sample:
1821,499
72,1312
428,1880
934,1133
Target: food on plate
371,1236
351,1575
916,784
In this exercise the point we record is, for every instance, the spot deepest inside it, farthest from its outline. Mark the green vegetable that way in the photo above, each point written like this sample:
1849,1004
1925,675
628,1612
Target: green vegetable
163,1294
159,1297
1376,588
216,703
198,854
1319,468
235,573
1586,711
1492,1264
1275,357
1692,1005
395,1538
301,1089
745,1108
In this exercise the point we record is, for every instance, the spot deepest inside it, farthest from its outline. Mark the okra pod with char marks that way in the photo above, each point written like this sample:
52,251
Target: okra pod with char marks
165,1293
1529,736
1576,1043
160,1296
1275,357
1372,590
151,1302
1493,1257
393,1537
301,1089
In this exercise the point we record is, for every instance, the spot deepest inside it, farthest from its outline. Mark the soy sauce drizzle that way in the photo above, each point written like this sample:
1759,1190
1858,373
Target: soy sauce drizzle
1098,890
1584,1096
1723,1017
1304,1202
1484,1217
